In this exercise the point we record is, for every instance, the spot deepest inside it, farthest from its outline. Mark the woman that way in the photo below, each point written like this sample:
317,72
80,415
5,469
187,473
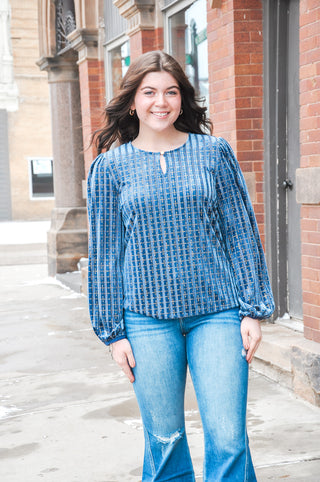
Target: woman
177,274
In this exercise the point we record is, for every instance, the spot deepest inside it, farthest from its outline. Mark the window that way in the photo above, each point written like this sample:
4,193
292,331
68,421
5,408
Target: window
41,178
186,39
118,61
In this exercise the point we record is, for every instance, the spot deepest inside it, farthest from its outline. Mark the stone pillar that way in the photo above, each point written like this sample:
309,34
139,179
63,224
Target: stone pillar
67,238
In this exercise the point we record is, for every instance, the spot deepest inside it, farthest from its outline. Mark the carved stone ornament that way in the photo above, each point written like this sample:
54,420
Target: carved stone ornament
140,14
65,23
85,41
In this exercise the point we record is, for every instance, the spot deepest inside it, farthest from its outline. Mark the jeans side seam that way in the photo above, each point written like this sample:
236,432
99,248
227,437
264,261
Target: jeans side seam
149,452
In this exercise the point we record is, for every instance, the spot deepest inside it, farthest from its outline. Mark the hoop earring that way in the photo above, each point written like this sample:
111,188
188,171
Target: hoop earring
131,112
181,112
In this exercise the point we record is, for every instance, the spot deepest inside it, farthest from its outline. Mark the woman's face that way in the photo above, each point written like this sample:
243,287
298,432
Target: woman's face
157,102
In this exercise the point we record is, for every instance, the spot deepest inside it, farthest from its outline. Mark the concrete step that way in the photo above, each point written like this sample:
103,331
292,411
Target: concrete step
71,280
289,359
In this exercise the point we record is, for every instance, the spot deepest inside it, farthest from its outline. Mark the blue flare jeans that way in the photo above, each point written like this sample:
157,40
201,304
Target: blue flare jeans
211,345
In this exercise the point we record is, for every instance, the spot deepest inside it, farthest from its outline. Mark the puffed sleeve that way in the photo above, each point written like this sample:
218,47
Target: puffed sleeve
241,237
106,233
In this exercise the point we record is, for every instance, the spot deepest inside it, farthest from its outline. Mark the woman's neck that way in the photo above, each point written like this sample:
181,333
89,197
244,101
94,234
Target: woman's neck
160,141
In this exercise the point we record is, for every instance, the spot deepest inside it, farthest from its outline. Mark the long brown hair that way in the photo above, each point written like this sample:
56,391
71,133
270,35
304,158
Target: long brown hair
122,127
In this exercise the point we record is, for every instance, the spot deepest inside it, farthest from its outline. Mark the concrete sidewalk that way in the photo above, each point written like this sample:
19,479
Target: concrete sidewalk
23,242
68,414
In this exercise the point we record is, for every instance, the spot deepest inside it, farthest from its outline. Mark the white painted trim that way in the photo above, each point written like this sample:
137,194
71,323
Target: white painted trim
169,12
108,70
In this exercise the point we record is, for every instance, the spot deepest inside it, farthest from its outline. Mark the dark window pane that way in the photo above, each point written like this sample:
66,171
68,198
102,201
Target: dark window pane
42,178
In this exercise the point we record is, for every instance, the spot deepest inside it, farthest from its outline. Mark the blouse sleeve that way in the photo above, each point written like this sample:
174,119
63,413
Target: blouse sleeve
106,232
241,237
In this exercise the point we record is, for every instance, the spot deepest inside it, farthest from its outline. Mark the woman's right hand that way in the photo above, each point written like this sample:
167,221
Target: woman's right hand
121,353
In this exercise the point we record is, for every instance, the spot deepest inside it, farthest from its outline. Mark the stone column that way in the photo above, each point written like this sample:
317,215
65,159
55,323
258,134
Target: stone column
67,238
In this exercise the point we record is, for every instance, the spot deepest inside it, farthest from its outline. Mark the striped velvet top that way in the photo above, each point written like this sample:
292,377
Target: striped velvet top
173,244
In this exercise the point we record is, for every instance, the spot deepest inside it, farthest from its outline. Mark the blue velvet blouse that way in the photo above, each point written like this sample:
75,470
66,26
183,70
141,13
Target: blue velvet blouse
176,244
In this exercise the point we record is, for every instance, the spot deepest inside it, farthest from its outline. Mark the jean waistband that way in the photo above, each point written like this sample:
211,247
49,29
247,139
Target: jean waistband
218,314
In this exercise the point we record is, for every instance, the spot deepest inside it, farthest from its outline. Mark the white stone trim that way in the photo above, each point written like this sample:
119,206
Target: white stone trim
308,185
8,89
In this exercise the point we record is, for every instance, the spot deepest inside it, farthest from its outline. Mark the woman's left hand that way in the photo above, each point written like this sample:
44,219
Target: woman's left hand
251,336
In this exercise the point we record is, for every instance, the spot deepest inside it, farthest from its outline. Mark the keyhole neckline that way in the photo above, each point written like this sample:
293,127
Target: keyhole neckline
161,152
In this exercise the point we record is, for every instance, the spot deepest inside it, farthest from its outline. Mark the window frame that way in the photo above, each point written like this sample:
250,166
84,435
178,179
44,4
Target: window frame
168,12
108,47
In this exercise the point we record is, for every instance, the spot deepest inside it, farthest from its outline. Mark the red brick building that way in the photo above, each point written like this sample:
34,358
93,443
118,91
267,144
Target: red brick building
257,64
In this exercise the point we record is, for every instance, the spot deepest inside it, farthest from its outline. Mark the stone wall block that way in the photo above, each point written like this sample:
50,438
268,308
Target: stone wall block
286,357
67,239
308,185
250,179
71,239
68,219
306,374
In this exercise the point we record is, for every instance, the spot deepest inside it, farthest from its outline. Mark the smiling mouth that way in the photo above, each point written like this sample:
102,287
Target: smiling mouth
160,114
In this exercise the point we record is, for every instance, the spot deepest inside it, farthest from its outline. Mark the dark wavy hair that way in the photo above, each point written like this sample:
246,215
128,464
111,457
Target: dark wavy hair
121,127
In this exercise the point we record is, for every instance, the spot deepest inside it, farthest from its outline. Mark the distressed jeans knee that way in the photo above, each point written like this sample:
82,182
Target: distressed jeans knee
170,439
162,456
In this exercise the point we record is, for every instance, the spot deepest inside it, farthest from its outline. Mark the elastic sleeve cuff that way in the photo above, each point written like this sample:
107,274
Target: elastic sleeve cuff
258,312
110,336
113,340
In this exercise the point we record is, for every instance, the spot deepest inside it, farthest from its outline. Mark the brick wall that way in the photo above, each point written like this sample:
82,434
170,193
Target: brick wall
158,39
92,92
235,45
220,32
145,40
310,157
141,42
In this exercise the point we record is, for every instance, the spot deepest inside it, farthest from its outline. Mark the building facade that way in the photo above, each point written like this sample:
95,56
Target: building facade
26,170
255,63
